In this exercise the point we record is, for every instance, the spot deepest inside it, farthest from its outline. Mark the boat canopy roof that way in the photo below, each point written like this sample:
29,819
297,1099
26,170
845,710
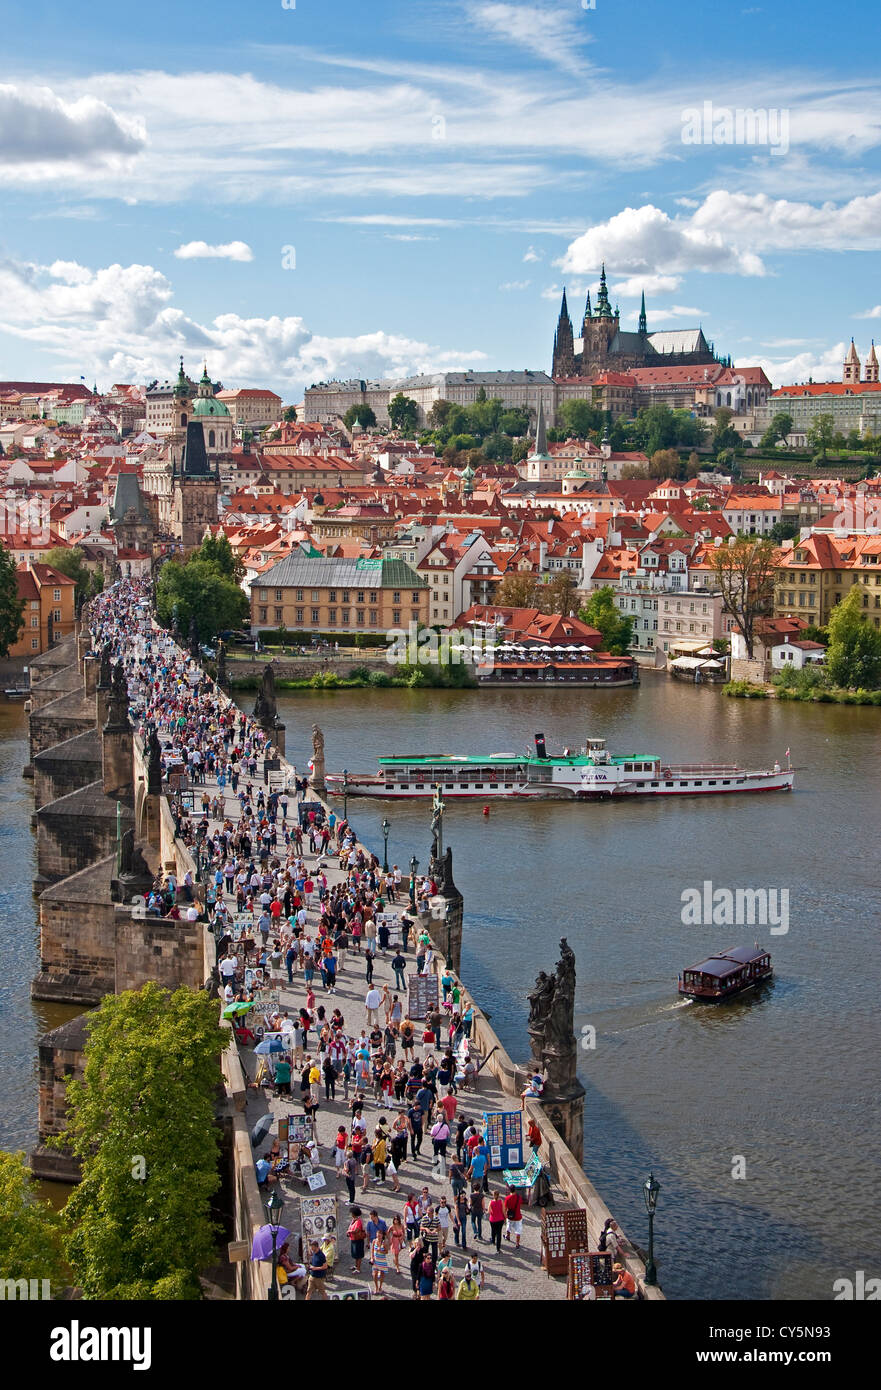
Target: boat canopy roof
727,962
485,759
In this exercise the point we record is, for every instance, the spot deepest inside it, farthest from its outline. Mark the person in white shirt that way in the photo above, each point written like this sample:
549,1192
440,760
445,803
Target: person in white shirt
371,1003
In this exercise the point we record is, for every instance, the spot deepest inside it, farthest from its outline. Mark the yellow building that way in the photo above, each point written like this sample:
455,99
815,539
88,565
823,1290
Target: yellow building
49,609
344,596
817,573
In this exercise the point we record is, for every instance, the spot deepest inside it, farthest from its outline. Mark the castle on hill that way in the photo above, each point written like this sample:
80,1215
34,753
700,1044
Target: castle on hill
605,346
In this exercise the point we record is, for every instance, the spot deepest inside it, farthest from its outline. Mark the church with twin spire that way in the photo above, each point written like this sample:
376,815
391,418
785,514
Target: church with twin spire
605,347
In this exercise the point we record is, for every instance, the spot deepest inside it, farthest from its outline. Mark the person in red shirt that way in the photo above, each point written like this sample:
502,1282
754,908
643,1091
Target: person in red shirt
513,1216
449,1105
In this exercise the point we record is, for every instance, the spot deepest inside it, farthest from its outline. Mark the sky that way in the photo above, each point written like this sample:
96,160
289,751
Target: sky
300,190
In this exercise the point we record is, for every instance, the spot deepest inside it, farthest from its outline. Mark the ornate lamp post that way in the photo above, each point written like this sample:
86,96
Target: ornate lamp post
345,793
385,831
414,869
274,1208
650,1189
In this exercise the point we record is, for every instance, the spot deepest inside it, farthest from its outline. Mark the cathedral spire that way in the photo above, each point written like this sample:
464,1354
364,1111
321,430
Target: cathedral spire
587,310
541,437
643,328
604,308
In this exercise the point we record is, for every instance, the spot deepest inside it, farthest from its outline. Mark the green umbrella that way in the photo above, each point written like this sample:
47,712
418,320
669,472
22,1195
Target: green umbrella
232,1010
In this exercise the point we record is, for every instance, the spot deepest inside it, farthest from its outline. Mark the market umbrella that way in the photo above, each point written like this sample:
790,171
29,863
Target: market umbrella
233,1010
261,1245
261,1129
268,1045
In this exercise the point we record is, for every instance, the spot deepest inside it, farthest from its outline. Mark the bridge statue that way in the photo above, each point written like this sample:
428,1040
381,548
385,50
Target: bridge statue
317,778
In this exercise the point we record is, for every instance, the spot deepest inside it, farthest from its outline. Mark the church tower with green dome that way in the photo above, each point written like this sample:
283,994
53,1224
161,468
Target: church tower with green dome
188,489
214,417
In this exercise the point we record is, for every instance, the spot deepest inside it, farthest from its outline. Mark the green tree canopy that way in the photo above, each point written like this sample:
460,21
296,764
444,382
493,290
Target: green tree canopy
579,419
403,413
362,415
289,414
853,657
11,606
142,1122
602,612
30,1231
820,434
217,552
196,589
744,573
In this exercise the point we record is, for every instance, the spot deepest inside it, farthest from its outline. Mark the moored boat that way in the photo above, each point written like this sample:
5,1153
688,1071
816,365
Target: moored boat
591,774
726,974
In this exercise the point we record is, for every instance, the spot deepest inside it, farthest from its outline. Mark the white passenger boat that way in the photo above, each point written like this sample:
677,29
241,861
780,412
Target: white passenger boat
592,774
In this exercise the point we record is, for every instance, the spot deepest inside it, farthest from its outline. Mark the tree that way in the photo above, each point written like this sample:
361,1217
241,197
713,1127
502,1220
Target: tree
197,590
362,415
602,612
579,418
853,657
217,552
820,434
745,573
560,595
784,531
665,463
289,414
30,1231
142,1122
440,412
518,590
11,606
498,447
71,562
779,428
403,413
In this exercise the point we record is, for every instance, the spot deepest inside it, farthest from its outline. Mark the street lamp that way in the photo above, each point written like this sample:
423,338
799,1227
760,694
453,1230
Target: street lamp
414,869
274,1208
345,793
385,830
650,1189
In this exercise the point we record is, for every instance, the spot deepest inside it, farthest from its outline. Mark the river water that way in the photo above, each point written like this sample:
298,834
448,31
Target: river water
782,1085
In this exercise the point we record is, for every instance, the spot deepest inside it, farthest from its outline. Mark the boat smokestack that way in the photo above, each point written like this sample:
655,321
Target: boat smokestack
540,746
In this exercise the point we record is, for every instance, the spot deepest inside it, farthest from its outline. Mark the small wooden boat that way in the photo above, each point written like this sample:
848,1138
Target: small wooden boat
726,974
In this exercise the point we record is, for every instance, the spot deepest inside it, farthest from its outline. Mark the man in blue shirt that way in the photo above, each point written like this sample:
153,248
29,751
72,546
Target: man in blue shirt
317,1272
375,1225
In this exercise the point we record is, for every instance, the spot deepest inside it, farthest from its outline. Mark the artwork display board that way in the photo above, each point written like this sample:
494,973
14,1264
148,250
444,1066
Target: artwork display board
563,1230
299,1129
503,1131
318,1217
591,1269
423,995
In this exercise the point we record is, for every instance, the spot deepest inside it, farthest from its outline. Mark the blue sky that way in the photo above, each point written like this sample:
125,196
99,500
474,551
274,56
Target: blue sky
343,189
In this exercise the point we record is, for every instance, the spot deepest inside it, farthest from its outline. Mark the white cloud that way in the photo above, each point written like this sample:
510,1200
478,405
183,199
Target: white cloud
651,284
515,285
547,33
119,321
40,129
387,219
870,313
408,236
780,224
642,240
819,366
202,251
533,255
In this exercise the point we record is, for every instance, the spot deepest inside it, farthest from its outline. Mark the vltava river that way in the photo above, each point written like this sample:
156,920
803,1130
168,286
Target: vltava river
786,1081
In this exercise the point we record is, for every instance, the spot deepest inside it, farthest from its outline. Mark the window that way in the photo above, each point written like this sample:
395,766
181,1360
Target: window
264,595
416,597
263,615
345,596
374,617
360,597
56,595
35,622
331,616
298,617
331,595
279,615
396,596
278,595
35,642
35,604
359,617
316,595
396,616
299,596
